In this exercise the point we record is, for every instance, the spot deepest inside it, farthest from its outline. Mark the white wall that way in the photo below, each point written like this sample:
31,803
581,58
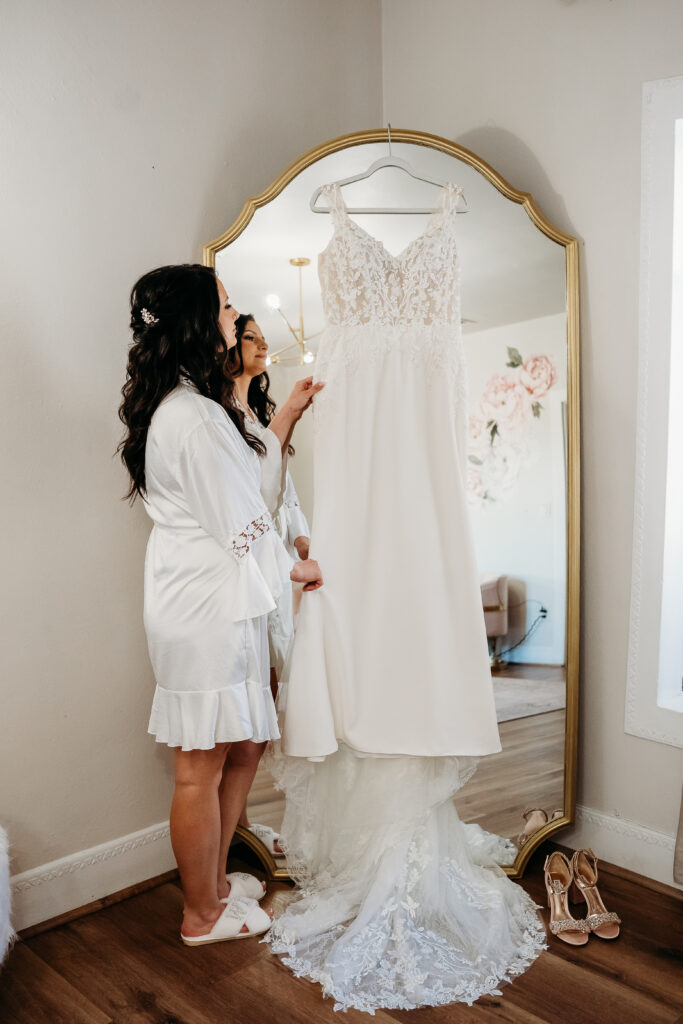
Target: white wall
132,134
550,94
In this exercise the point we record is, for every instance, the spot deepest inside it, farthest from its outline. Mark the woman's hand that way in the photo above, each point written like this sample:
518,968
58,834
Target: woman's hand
303,393
307,572
285,419
302,545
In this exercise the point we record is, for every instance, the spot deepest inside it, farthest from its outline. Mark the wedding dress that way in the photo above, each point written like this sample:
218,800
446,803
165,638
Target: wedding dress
386,697
390,656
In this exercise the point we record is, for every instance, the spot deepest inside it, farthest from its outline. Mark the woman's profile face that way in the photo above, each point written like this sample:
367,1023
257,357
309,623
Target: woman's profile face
254,349
226,316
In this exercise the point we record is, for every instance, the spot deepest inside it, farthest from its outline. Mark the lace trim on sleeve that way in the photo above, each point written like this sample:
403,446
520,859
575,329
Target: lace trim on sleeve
241,542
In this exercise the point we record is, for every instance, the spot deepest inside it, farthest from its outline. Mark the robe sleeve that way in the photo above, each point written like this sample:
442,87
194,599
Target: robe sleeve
297,526
220,484
272,471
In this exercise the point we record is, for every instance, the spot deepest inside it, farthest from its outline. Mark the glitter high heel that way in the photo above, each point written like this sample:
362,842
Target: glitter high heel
602,922
558,877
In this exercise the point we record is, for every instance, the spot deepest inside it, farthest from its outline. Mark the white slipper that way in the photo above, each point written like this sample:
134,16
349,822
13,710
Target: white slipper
268,837
238,912
242,884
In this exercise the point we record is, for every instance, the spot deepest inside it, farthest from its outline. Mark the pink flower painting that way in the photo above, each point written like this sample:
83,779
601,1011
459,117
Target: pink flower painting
498,391
537,375
498,443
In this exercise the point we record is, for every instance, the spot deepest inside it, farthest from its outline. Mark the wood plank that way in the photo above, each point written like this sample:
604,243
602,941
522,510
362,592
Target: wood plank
589,996
151,974
267,990
486,1010
553,990
130,962
31,992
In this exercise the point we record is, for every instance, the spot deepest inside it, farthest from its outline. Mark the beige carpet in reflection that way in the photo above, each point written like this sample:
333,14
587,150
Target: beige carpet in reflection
521,698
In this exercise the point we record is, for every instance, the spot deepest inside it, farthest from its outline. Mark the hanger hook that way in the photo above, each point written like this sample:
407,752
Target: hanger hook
389,136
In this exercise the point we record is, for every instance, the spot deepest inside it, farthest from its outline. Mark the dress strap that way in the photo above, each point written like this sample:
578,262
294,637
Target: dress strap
450,195
335,201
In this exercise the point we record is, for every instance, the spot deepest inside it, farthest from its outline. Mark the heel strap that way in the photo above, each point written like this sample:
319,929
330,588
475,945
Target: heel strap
595,920
592,862
569,924
564,868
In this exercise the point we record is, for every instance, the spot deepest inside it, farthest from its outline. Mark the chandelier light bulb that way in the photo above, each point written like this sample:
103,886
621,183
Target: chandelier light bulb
268,360
273,301
308,357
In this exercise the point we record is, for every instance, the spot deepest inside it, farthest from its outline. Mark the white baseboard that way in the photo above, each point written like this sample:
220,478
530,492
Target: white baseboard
62,885
623,842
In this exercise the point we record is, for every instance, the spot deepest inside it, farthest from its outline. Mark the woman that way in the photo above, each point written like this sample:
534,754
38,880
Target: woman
252,383
213,570
248,364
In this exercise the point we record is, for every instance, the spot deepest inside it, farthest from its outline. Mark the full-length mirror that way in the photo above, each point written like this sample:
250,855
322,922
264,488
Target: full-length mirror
518,286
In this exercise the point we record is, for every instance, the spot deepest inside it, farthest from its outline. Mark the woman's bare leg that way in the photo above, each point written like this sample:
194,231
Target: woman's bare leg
244,816
238,774
273,684
196,833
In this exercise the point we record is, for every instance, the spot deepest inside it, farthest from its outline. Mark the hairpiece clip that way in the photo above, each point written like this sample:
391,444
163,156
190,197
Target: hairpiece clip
148,317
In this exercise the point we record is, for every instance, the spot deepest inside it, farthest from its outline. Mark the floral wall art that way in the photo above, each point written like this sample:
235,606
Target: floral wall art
518,516
502,427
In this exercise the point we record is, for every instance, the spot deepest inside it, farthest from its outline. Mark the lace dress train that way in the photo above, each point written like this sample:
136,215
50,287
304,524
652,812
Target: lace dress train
400,904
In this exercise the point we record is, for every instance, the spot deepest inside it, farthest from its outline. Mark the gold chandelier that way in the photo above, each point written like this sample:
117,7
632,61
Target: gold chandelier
304,355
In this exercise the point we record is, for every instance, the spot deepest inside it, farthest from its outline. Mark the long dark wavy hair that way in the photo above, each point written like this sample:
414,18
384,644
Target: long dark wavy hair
258,396
260,402
184,342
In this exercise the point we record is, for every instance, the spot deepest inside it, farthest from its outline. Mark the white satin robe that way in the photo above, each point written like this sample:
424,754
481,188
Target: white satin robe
215,567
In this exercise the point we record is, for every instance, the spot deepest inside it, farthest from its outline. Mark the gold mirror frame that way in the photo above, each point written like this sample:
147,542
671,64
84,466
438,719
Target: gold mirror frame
571,247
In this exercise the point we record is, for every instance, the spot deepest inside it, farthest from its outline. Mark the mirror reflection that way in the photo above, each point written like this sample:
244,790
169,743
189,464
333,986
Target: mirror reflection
514,330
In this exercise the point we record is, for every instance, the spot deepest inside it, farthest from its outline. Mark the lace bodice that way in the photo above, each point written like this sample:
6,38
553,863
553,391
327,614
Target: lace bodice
362,283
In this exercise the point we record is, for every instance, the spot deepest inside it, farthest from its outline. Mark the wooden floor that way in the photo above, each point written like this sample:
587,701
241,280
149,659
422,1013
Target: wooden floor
126,965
